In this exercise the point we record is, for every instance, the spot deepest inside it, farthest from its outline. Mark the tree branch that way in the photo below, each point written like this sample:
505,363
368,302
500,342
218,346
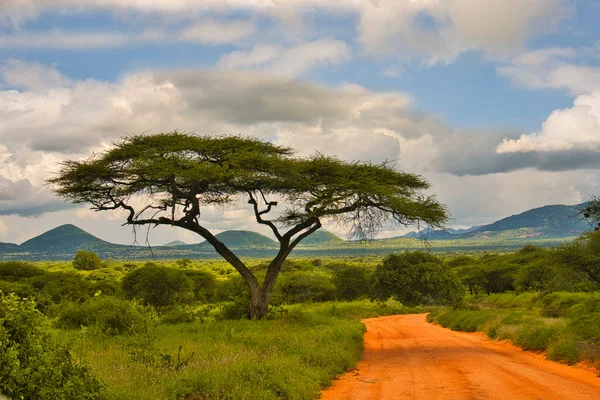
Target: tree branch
259,213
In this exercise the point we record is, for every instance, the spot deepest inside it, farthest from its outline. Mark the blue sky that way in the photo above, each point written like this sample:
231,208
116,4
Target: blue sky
496,102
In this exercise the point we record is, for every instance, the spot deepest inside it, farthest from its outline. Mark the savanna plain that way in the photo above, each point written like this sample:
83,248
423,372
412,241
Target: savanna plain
180,329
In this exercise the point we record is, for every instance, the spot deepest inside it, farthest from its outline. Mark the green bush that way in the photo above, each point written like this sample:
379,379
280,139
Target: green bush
205,285
304,286
352,282
86,260
158,286
31,366
18,271
416,278
62,286
536,336
106,315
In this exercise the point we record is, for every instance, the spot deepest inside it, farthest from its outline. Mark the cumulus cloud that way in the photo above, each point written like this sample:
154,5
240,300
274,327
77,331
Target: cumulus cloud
22,198
215,32
51,117
555,68
293,61
434,30
575,128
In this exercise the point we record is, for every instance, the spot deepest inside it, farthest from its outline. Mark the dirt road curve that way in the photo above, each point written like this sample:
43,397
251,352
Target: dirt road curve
407,358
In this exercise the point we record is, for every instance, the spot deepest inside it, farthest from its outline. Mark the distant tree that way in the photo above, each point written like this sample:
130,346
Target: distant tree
591,212
86,260
583,254
177,175
416,278
352,282
158,286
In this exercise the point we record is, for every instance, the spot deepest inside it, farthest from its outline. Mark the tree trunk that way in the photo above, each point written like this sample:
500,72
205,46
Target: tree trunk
259,303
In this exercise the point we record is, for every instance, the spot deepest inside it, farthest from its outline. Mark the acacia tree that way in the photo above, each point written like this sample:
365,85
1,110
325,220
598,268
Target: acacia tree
178,175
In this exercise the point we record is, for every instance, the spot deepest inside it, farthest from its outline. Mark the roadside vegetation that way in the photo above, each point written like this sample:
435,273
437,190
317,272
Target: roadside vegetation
539,299
181,329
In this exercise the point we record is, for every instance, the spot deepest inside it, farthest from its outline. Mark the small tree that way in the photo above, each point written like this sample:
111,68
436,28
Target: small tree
158,286
177,175
86,260
416,278
583,255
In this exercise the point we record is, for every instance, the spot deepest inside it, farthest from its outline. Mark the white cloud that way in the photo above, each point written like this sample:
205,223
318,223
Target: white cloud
76,40
215,32
554,68
575,128
293,61
260,54
433,30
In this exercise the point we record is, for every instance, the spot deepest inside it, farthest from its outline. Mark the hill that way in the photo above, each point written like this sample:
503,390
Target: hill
552,221
322,238
175,243
241,240
65,239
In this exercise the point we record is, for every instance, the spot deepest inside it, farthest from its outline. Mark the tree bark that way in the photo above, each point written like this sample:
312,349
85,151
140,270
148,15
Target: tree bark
259,303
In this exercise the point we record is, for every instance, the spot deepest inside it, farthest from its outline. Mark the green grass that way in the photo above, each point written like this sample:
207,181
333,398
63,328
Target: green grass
564,325
291,357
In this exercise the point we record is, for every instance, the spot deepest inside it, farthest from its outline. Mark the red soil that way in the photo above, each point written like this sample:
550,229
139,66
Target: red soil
407,358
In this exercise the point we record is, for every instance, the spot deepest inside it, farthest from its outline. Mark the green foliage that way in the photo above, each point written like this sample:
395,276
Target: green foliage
31,366
566,325
302,286
158,286
106,315
416,278
352,282
583,255
290,357
18,271
204,285
86,260
62,286
180,174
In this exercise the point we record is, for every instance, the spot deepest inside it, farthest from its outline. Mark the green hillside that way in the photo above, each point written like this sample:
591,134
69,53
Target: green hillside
64,239
242,240
547,221
322,238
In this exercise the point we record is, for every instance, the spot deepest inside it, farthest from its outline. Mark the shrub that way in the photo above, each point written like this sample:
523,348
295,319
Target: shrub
16,271
86,260
61,286
303,286
158,286
416,278
31,366
107,315
352,282
205,284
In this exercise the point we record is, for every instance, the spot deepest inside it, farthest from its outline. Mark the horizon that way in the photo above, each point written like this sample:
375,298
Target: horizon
268,234
500,118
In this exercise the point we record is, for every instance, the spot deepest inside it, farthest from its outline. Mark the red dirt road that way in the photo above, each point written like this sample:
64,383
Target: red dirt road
407,358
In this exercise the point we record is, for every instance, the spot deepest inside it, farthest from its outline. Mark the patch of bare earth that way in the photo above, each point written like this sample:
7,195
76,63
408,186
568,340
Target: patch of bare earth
407,358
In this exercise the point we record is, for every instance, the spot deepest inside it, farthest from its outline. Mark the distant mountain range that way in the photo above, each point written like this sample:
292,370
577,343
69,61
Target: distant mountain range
551,223
554,221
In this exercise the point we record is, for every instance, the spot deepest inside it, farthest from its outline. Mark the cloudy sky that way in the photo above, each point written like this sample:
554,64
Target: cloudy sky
496,102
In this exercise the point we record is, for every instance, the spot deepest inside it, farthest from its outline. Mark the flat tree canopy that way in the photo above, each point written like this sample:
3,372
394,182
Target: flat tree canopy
179,174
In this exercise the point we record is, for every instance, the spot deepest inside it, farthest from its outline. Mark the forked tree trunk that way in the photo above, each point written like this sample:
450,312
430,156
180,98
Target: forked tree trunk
259,303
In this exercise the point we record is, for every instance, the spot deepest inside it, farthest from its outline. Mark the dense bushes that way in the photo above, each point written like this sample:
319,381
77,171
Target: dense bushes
158,286
31,366
565,325
416,278
107,315
86,260
352,282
